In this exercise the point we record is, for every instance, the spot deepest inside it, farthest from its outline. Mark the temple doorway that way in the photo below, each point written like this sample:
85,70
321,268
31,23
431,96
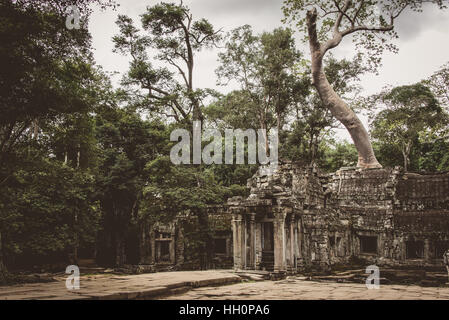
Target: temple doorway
267,246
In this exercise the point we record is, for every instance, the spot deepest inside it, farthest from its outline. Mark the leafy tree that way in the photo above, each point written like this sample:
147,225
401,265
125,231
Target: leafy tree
185,189
127,143
337,155
45,73
263,65
326,24
177,37
50,213
434,155
43,66
439,84
411,112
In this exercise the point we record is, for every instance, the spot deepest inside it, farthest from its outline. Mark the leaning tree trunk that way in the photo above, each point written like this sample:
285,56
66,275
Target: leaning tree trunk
339,109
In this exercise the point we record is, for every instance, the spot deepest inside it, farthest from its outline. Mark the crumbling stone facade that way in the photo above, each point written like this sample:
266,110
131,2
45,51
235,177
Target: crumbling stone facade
171,246
299,218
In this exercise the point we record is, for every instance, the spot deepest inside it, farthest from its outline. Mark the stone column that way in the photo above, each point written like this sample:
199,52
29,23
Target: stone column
279,242
172,248
153,246
258,237
179,241
292,243
243,242
145,250
252,242
237,240
427,256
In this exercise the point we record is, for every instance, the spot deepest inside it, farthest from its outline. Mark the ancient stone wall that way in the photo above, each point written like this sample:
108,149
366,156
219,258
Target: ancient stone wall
382,216
299,218
181,234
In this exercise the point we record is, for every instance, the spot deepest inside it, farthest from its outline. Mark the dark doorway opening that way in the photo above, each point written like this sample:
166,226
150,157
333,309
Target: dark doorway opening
440,249
268,236
268,246
368,244
220,246
415,249
163,250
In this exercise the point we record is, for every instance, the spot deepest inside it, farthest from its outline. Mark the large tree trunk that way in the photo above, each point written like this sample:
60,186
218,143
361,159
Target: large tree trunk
406,155
339,109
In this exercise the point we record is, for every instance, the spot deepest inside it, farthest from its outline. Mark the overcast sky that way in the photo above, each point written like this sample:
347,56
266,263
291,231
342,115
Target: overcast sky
423,39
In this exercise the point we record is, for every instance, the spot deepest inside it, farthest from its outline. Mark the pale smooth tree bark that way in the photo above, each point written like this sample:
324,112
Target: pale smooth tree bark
339,109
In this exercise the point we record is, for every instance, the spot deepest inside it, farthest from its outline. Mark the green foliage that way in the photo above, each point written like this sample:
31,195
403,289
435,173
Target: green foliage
313,120
49,90
338,155
48,209
176,37
264,67
439,84
173,189
412,116
127,143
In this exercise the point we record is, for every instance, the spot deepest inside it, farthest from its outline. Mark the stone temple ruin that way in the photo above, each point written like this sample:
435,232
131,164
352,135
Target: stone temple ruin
298,219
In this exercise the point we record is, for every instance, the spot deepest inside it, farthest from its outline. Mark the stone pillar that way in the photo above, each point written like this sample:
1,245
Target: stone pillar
145,249
237,240
252,242
179,244
427,254
172,248
258,237
279,242
153,246
292,243
243,242
228,247
287,245
299,237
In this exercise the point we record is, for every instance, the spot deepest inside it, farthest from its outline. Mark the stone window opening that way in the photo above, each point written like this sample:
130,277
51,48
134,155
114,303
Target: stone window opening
163,251
440,248
415,249
332,241
220,246
368,244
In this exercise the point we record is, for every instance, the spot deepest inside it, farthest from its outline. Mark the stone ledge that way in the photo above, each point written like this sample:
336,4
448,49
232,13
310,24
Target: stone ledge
143,286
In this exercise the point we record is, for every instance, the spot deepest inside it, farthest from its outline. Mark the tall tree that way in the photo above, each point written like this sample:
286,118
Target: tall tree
411,112
263,65
44,72
176,36
327,23
127,143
